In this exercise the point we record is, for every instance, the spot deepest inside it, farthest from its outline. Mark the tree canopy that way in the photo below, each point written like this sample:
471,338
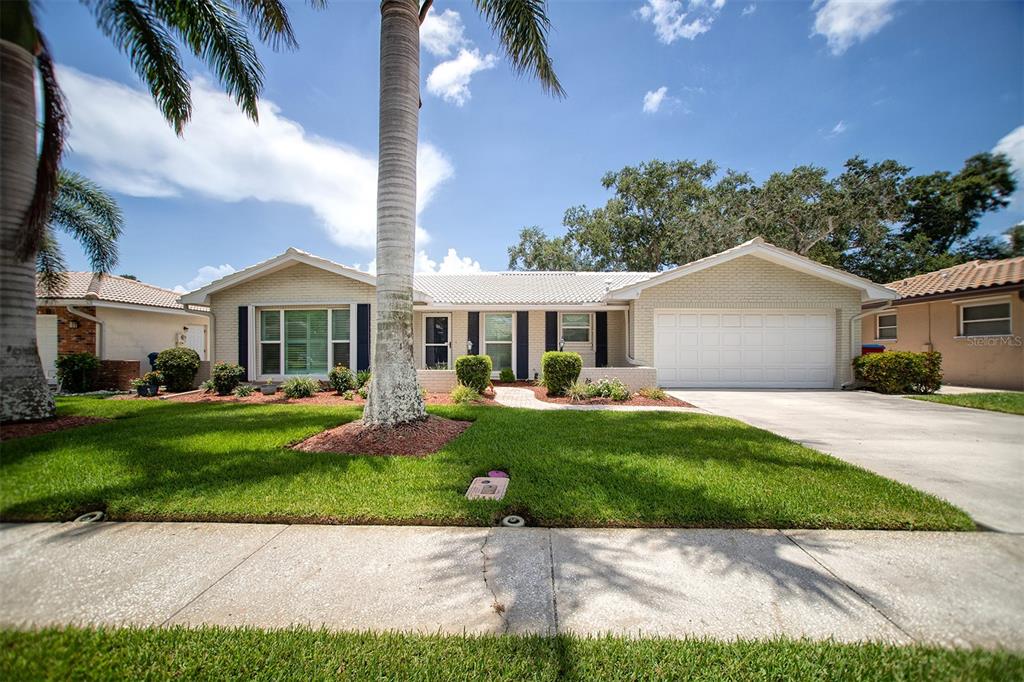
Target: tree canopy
873,219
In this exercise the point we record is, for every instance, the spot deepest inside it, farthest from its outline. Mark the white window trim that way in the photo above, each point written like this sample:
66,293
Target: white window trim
589,344
878,325
483,337
254,333
977,304
423,339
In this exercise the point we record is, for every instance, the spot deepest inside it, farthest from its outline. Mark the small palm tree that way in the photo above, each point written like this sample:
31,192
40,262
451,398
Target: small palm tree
90,215
522,27
148,32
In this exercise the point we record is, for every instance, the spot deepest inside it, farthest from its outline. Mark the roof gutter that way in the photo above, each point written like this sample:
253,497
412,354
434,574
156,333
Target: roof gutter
99,327
963,293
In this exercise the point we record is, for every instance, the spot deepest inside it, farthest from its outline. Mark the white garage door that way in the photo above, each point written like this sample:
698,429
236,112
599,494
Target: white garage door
46,342
744,348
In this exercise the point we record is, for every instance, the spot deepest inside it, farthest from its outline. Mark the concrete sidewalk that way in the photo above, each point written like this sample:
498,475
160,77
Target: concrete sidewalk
958,589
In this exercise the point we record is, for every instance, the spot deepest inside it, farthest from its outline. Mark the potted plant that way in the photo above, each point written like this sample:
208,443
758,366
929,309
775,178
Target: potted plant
268,388
148,384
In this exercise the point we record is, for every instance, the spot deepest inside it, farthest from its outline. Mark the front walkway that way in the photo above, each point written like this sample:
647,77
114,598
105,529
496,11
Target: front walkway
524,397
973,458
960,589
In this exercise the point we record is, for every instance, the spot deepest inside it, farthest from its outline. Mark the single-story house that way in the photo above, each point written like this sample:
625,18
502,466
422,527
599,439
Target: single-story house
753,316
972,313
120,320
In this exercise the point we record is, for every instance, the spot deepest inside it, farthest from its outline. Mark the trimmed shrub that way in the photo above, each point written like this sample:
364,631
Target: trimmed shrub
341,379
653,393
179,367
362,378
900,371
77,371
300,387
244,390
463,395
225,376
474,371
507,375
560,370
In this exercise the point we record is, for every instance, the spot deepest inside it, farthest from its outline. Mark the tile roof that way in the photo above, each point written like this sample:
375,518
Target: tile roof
525,288
114,289
976,274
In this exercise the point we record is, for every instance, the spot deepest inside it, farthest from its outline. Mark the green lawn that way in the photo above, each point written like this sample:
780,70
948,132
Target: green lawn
996,401
228,461
297,654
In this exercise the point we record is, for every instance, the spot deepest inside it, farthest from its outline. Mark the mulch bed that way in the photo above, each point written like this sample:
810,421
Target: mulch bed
415,439
635,399
322,398
22,429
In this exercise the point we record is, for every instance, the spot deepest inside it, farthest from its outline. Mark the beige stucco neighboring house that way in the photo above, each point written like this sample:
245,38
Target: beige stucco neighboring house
753,316
972,313
120,320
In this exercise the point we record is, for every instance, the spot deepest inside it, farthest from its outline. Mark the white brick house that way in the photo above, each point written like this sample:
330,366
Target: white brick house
752,316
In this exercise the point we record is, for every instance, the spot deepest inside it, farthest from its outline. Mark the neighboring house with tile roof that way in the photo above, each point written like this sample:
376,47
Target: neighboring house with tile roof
751,316
971,313
118,319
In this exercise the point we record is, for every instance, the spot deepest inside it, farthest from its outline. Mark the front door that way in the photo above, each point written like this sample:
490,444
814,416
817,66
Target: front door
436,341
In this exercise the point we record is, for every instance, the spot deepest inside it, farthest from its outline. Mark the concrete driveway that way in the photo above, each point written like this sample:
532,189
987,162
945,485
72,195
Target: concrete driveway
973,458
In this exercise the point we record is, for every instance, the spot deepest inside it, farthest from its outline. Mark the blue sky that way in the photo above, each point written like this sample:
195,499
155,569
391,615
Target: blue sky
755,86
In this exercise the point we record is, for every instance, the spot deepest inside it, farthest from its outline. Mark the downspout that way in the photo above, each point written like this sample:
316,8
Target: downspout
99,327
629,358
856,320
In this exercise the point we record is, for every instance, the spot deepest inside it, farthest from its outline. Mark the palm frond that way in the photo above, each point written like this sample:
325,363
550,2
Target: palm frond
53,133
91,216
522,28
136,30
214,33
270,18
51,270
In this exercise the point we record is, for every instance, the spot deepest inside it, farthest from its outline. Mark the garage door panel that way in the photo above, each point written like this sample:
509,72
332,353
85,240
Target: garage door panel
745,348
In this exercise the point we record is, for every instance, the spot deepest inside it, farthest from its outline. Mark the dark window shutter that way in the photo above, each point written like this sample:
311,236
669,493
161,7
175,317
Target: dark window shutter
243,338
474,334
362,336
550,330
601,347
522,345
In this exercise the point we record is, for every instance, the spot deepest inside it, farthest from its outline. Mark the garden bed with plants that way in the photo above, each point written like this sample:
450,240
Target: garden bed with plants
653,397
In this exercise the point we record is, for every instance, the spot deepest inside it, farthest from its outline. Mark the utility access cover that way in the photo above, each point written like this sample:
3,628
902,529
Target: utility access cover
487,488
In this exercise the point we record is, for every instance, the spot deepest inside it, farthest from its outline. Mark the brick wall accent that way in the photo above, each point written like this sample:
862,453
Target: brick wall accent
74,334
751,282
116,374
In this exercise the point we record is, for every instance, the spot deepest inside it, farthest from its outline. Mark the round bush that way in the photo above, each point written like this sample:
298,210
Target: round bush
474,371
342,379
900,371
76,371
226,376
179,367
507,375
560,370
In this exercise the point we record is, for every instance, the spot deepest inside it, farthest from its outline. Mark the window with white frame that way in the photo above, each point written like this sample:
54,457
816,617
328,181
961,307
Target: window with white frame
576,327
985,319
304,341
886,328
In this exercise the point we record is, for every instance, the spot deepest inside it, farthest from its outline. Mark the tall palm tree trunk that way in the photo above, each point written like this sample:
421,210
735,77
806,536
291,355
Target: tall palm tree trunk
394,374
24,394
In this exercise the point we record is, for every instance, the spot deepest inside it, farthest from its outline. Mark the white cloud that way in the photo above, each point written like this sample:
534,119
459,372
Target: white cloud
450,79
1012,145
749,9
451,264
838,129
442,32
204,276
653,99
129,148
845,22
672,20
